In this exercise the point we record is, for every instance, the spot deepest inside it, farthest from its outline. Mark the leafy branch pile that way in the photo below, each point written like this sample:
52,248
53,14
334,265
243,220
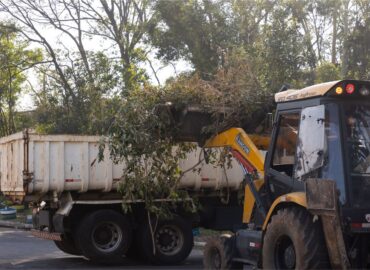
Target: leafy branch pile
145,141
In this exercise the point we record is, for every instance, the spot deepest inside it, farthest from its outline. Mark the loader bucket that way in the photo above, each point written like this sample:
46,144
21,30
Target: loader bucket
191,122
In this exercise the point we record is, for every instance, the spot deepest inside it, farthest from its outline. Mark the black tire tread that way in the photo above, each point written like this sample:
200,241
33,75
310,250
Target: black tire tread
311,244
83,236
225,246
145,246
68,246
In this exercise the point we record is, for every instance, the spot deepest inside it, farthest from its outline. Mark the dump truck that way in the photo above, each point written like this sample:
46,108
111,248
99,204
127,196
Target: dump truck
307,204
76,204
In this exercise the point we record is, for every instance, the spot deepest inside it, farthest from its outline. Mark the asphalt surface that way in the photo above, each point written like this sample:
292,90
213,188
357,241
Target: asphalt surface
20,250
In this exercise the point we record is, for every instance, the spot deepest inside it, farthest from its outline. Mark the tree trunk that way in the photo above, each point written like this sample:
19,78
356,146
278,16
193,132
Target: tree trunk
345,39
334,39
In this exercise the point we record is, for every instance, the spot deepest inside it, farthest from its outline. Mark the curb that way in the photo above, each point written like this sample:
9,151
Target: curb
15,225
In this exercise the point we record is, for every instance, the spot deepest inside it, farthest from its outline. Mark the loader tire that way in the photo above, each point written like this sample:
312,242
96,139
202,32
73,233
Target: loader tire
173,241
67,245
219,252
294,241
104,236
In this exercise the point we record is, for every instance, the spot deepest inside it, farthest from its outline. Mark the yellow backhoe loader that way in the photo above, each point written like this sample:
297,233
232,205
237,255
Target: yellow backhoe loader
307,203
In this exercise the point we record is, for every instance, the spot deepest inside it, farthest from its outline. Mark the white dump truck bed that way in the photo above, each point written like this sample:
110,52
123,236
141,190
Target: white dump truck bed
35,164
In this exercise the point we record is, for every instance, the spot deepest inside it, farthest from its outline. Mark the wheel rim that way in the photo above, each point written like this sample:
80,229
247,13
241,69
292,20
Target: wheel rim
107,236
285,256
169,239
215,258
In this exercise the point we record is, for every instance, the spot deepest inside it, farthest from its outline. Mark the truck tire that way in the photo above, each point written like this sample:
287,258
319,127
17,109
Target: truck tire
173,241
67,245
104,236
219,252
294,241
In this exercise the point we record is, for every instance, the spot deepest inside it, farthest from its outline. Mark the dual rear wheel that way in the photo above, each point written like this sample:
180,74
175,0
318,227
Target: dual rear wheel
102,236
171,243
106,236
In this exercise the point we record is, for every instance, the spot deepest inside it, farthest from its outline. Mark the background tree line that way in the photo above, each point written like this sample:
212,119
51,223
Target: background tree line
81,58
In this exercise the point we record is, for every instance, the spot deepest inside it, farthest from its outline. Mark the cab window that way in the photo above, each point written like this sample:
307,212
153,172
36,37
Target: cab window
286,143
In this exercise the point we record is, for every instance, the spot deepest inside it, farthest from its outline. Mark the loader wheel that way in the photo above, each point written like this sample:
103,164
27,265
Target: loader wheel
294,241
67,245
173,240
104,236
219,252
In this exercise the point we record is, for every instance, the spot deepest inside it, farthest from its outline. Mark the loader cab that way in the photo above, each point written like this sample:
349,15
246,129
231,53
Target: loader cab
323,132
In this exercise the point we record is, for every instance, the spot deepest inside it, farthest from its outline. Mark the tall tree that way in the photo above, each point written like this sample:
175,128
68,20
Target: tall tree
126,23
15,59
66,31
280,49
197,30
357,43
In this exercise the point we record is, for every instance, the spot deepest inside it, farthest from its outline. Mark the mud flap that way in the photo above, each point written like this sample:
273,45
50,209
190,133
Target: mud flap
322,200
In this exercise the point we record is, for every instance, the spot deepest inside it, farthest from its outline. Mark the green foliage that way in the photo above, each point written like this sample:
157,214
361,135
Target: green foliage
144,140
359,55
234,86
151,170
127,25
279,52
24,120
327,72
15,59
275,36
87,106
196,30
285,40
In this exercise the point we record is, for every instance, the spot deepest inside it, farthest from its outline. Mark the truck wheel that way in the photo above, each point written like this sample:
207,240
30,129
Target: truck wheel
294,241
219,252
104,236
68,246
173,241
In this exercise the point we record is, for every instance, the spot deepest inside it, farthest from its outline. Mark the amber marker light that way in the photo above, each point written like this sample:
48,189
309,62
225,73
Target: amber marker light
339,90
350,88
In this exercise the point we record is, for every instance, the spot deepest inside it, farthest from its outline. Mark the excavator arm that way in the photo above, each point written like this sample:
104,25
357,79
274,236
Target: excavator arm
252,162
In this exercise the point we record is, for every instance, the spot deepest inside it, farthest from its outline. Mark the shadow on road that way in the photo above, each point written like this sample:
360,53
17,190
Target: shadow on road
20,250
193,262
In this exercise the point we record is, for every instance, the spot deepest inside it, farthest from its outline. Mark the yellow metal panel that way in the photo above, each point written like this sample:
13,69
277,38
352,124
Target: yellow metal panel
249,200
237,139
261,141
294,197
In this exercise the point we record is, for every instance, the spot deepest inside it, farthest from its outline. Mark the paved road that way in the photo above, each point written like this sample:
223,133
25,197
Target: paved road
20,250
